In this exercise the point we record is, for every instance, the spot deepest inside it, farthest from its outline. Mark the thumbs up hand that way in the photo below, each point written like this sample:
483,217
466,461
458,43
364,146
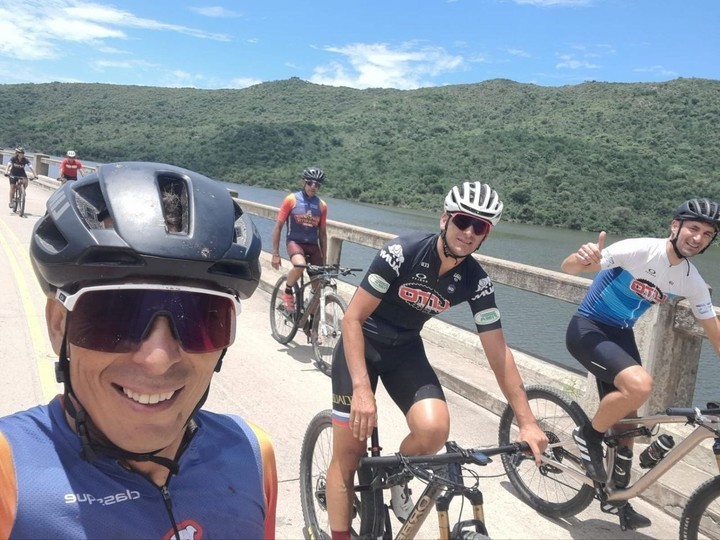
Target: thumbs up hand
591,253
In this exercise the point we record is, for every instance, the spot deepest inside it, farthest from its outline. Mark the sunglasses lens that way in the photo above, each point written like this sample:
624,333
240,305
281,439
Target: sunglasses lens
312,182
117,321
463,221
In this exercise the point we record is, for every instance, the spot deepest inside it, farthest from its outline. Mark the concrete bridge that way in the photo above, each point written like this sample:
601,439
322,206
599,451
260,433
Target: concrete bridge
455,353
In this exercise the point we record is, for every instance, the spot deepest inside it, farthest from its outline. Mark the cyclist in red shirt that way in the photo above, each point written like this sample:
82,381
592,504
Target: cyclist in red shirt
70,167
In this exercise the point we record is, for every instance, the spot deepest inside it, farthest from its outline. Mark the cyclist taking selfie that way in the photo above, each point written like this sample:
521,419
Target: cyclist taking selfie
143,296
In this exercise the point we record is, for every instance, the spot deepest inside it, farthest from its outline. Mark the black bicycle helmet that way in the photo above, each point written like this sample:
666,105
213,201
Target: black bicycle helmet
699,210
314,173
212,242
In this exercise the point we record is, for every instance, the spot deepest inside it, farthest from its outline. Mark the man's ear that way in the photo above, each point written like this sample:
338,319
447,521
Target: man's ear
56,317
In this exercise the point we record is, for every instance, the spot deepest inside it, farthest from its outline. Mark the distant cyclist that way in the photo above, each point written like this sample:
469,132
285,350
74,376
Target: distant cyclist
70,167
412,279
633,275
306,215
16,170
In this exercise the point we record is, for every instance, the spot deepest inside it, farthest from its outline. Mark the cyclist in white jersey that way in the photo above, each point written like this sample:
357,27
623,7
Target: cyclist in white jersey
633,275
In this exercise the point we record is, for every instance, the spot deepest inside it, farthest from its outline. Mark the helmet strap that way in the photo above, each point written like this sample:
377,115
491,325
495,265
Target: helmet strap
89,435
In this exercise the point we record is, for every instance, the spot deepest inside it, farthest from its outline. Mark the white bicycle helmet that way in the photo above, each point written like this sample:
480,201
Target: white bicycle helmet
71,153
476,199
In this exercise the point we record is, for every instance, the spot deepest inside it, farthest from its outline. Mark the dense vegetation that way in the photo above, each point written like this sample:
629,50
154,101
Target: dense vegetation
591,156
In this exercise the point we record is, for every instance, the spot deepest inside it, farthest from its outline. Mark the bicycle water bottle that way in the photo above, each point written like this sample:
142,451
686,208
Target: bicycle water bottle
652,455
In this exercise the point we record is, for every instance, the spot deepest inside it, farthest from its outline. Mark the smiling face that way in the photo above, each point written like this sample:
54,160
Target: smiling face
141,400
692,236
462,242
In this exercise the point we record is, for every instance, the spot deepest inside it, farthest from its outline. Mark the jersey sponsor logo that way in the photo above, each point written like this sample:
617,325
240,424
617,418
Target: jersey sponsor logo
420,277
484,288
487,316
188,529
647,291
457,277
378,283
393,255
422,300
705,309
651,271
451,289
307,219
107,500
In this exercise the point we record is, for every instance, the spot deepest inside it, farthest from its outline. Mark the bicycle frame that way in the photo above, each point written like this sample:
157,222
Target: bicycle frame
317,297
705,430
437,492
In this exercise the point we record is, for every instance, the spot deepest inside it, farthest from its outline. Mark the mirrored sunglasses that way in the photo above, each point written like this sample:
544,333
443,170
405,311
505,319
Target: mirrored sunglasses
117,318
463,221
313,183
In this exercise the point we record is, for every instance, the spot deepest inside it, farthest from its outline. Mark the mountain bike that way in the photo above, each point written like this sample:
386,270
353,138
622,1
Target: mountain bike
18,201
318,310
446,476
560,488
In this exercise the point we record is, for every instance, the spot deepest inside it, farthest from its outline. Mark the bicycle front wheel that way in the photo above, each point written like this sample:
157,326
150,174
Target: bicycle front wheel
315,455
283,323
548,489
702,513
326,331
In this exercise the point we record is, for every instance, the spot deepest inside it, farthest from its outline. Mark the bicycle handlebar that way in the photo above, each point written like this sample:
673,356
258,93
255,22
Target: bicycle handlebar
478,456
328,269
692,412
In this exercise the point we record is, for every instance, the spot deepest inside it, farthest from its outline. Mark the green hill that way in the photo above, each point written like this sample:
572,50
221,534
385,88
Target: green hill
590,156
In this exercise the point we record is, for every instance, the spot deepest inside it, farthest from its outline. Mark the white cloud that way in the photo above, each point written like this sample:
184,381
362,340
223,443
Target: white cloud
519,52
567,61
657,70
216,12
34,29
244,82
379,65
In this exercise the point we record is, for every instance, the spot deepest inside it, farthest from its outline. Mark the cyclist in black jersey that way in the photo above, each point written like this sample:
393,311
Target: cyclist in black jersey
413,278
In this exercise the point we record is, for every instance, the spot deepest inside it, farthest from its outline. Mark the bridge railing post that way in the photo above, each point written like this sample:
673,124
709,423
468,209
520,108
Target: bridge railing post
40,164
334,251
670,355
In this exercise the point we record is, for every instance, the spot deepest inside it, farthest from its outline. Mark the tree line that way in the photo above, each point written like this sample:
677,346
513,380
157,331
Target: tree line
592,156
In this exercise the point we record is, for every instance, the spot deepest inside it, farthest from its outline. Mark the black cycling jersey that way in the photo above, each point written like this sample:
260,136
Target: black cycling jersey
17,166
405,275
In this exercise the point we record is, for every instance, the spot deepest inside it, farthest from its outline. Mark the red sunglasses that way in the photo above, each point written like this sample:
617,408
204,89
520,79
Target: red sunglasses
463,221
117,318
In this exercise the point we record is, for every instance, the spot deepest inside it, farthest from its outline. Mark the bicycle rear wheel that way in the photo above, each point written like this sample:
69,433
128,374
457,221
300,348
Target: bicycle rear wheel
702,513
326,331
546,488
368,514
21,203
283,323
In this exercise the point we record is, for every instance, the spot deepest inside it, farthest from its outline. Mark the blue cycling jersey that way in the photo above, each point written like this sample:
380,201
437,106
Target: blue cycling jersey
637,274
225,487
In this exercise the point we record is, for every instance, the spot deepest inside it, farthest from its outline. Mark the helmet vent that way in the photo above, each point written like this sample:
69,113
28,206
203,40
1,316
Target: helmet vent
174,196
91,205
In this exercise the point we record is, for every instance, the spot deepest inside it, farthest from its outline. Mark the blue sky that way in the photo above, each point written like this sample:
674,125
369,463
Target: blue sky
402,44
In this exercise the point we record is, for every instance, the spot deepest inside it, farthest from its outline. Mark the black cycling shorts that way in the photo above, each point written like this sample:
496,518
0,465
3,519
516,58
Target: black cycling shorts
404,369
14,179
604,350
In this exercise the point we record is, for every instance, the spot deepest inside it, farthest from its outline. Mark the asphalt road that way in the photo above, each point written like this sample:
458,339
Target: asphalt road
278,388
